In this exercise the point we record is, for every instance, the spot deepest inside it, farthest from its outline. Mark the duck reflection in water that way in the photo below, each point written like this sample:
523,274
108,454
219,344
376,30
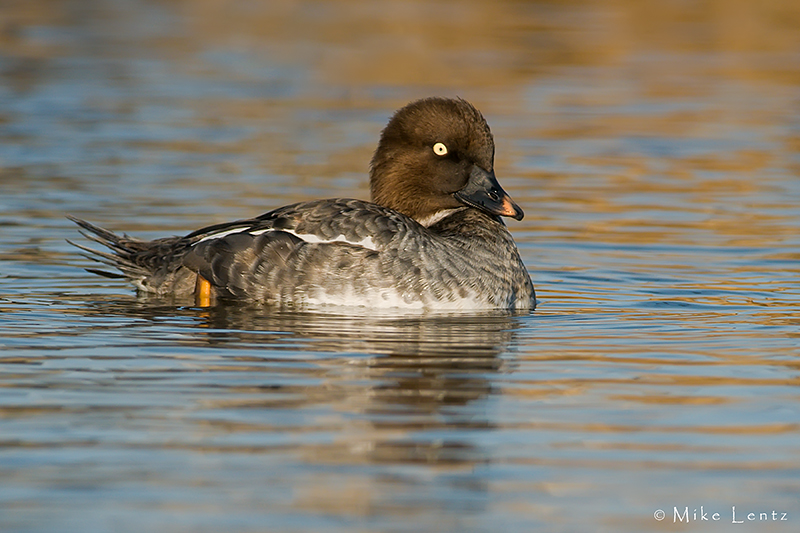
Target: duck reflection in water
386,380
416,374
428,360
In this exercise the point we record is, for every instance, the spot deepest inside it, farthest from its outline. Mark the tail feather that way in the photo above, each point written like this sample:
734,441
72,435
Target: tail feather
105,273
153,266
124,249
102,236
129,269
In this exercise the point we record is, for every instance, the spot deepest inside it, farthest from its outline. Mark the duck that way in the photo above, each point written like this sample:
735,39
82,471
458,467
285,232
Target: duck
432,236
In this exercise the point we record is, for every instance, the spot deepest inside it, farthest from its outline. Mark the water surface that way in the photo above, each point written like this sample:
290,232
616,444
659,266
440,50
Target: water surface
654,146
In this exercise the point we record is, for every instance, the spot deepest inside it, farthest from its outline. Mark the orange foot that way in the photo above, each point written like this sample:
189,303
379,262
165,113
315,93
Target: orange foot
202,292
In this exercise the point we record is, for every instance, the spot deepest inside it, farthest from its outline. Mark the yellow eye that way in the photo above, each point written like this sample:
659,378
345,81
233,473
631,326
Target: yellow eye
440,149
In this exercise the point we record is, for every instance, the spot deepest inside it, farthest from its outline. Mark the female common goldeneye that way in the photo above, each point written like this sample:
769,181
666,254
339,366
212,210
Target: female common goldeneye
431,238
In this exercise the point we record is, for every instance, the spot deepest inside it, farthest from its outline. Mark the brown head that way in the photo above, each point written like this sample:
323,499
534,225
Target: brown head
435,155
